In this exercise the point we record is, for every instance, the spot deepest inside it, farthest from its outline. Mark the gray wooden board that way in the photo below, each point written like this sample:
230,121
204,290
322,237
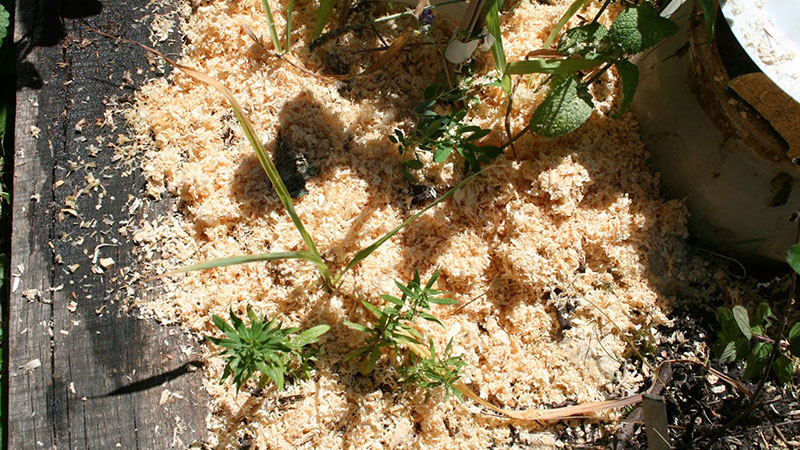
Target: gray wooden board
103,372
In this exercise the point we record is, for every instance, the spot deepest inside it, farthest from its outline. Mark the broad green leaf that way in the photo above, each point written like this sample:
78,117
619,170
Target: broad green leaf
564,109
374,246
273,32
783,368
493,25
441,154
573,8
221,324
759,355
629,74
794,332
478,134
552,66
793,257
638,28
311,335
709,16
413,164
252,316
794,339
587,41
742,321
727,322
728,354
742,347
237,323
325,7
761,314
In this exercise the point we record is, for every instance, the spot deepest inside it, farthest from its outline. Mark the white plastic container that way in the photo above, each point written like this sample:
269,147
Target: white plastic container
712,149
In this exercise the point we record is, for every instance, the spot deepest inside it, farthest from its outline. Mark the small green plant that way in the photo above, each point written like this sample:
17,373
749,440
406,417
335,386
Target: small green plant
435,371
265,346
443,133
745,337
393,327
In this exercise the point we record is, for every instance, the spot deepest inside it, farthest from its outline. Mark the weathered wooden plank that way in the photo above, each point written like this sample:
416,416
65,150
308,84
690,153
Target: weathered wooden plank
102,371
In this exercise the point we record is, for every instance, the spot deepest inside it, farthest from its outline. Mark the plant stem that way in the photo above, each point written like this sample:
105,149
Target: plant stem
514,139
271,25
602,9
289,24
599,73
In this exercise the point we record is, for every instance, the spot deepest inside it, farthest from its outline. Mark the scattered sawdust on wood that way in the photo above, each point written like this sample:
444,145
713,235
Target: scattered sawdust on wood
571,220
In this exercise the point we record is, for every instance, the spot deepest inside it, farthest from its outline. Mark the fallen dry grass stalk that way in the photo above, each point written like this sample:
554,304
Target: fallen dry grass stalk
535,414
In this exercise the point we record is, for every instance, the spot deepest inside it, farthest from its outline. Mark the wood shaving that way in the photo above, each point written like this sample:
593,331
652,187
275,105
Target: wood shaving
31,365
106,263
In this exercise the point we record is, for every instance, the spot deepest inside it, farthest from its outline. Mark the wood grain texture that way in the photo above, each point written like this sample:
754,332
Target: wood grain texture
103,373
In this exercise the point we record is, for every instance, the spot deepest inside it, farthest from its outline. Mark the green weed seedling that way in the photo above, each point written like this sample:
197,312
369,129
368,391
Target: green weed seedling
265,346
744,337
443,133
747,337
394,329
434,371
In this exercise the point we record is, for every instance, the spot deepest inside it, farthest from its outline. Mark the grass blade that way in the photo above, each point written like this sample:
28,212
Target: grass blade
325,7
273,32
289,24
252,137
263,158
244,259
374,246
493,25
552,66
573,8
